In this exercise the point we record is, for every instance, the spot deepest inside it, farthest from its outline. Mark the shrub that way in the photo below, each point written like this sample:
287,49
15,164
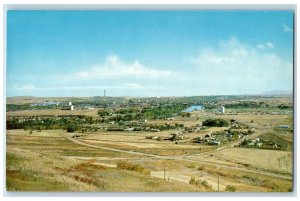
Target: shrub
191,165
133,167
198,183
71,128
215,123
192,180
205,184
230,188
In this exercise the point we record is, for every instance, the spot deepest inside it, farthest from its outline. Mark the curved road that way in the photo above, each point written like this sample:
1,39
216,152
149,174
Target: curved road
180,158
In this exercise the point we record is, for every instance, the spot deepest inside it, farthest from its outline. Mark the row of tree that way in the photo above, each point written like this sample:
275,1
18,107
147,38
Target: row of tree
48,123
215,123
130,114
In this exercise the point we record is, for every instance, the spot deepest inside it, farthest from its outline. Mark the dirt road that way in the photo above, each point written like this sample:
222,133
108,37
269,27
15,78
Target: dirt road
181,158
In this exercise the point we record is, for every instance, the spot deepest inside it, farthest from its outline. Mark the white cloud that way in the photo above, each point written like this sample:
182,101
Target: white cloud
260,46
286,28
31,87
114,68
132,85
26,87
233,67
270,45
267,45
240,66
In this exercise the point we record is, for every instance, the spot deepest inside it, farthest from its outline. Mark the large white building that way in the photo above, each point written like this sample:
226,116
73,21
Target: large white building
222,109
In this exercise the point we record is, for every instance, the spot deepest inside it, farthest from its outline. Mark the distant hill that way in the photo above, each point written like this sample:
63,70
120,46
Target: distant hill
279,92
29,99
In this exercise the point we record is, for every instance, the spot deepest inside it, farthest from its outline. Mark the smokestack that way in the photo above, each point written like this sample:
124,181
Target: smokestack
104,92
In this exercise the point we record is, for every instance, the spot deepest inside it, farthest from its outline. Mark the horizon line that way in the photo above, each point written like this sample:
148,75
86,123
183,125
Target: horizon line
262,94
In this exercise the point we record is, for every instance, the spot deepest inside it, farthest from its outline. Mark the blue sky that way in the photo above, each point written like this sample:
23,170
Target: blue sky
148,53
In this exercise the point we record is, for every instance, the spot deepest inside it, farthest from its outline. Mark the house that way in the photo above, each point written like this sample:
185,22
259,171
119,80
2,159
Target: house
198,140
213,142
175,136
283,126
251,130
129,129
207,135
198,130
88,107
228,135
155,137
68,107
259,144
251,144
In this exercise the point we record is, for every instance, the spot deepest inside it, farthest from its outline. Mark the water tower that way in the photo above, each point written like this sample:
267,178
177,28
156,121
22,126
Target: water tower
222,109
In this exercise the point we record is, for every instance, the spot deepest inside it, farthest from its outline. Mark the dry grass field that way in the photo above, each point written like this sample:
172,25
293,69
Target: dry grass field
47,161
124,161
263,159
51,157
50,112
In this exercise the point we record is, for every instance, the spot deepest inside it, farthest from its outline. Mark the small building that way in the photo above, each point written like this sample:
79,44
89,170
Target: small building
70,103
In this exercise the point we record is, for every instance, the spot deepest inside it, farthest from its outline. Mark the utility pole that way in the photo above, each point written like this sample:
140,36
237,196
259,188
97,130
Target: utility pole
218,183
164,172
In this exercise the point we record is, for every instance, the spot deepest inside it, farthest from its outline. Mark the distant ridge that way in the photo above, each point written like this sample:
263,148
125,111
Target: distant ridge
279,92
21,97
